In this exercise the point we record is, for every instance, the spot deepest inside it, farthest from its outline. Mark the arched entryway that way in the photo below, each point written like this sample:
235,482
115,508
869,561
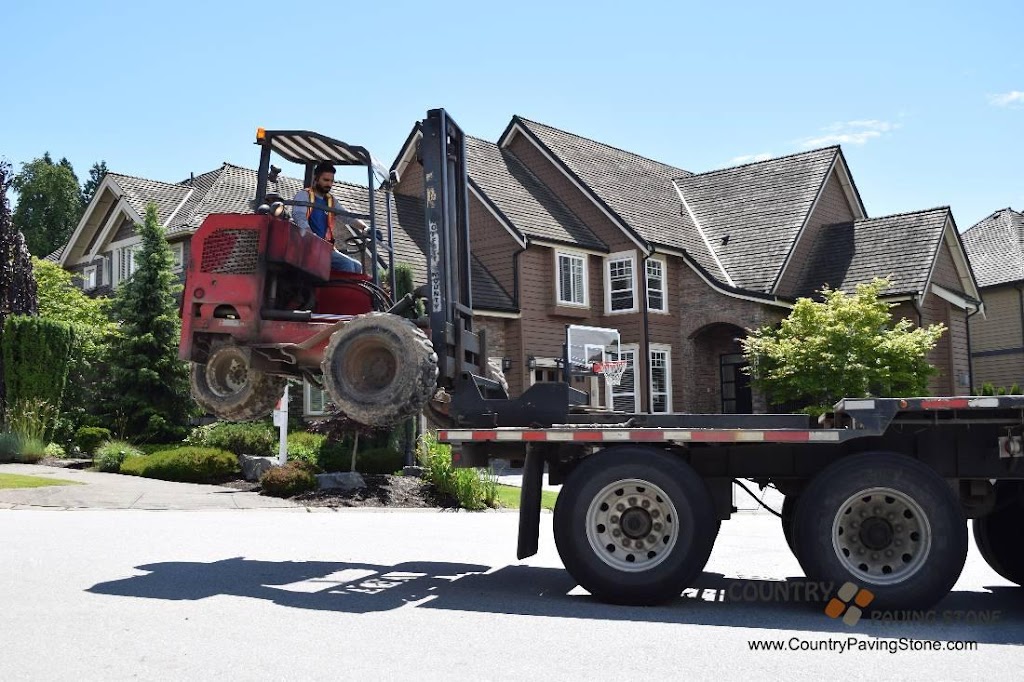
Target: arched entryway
720,382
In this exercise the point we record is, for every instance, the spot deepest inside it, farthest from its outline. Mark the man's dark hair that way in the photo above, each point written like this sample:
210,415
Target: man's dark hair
323,167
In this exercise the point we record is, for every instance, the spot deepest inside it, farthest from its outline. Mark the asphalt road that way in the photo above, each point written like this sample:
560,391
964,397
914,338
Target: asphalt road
280,595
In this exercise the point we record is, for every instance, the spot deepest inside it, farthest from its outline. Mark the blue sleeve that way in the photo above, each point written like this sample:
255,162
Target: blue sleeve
299,212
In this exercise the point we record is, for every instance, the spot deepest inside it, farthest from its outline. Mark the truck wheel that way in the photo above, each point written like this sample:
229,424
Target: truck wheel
634,525
998,535
227,386
788,513
379,369
884,522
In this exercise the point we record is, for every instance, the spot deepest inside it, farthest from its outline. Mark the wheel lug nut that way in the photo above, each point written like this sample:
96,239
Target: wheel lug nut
899,528
625,543
860,551
657,526
651,539
655,514
614,519
890,516
645,504
854,524
874,556
877,511
620,507
897,543
888,552
632,502
863,514
616,533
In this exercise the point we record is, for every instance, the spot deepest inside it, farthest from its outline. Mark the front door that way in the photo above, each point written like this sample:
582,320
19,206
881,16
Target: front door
737,397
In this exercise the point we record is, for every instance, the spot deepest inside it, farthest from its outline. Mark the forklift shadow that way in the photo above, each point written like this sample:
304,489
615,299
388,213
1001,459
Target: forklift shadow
995,617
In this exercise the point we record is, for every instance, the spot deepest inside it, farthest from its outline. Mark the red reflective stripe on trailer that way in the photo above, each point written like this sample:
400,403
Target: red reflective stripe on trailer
647,436
943,404
787,436
535,435
588,435
713,436
485,435
442,436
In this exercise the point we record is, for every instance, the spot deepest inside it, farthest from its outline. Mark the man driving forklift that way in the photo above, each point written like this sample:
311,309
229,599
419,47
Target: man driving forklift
318,216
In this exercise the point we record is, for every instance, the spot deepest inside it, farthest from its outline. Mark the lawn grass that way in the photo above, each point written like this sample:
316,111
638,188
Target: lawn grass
19,481
508,497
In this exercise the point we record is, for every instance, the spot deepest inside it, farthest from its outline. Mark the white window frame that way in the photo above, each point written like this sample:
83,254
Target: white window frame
582,258
667,350
647,287
307,399
90,278
608,261
611,394
177,256
117,252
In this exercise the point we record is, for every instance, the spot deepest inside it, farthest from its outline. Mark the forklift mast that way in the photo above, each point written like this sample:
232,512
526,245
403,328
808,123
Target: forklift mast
449,285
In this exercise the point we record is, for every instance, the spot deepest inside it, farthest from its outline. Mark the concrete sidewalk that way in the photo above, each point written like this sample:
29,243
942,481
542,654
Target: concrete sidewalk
114,491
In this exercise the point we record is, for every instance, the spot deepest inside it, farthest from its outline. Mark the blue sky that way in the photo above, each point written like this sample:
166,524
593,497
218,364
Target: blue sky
928,103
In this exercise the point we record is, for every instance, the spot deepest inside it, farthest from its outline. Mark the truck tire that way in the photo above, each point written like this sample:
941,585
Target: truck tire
998,535
229,388
634,525
379,369
886,523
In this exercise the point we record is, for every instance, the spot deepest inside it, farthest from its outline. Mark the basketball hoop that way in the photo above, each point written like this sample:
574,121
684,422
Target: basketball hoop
612,370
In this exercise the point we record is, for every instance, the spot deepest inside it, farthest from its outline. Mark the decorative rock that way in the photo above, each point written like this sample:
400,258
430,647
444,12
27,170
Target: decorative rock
413,471
254,467
342,480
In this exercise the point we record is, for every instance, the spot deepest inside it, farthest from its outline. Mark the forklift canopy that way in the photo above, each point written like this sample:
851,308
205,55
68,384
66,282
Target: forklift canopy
305,147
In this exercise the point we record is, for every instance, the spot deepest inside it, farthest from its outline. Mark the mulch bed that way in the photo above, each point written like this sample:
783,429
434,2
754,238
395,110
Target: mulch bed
380,491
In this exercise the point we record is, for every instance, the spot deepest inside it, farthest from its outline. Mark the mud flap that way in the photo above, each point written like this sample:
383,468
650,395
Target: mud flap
529,504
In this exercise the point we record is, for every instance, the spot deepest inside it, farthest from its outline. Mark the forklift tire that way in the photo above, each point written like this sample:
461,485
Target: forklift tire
788,513
998,535
379,369
886,523
634,525
229,388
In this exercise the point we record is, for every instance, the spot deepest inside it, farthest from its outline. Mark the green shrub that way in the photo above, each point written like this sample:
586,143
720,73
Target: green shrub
110,456
470,488
185,464
32,450
10,446
314,448
245,438
56,450
987,388
37,354
291,479
150,448
88,438
1015,389
379,461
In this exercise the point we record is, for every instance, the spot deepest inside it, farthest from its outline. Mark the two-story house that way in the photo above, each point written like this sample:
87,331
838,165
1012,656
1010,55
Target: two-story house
684,263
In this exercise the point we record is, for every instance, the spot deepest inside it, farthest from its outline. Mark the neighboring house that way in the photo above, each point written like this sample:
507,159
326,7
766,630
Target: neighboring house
996,249
683,264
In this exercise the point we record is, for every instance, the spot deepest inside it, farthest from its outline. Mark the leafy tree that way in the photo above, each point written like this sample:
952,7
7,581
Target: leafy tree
61,301
96,174
148,391
843,346
49,203
17,286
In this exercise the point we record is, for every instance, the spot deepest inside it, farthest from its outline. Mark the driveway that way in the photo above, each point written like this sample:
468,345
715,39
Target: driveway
114,491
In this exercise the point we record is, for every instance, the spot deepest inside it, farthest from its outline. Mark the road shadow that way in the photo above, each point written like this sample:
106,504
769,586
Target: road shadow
995,616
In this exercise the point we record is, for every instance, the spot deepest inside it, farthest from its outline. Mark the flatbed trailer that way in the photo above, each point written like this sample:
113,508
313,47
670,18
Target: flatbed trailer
877,493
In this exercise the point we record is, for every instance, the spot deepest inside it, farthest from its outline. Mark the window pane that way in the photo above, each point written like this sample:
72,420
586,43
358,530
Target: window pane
620,282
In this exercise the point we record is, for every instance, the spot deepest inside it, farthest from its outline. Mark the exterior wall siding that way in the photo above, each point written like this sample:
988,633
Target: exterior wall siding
832,207
945,273
999,330
492,244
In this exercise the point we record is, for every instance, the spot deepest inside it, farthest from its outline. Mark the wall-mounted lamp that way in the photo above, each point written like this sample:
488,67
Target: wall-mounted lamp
506,364
531,362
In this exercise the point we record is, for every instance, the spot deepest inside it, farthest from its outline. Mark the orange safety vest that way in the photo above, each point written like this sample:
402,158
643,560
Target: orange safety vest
330,216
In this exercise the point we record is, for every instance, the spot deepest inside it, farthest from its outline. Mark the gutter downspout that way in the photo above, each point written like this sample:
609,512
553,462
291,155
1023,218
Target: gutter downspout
524,383
647,339
970,356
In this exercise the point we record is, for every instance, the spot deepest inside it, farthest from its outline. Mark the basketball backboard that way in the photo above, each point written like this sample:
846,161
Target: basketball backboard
586,346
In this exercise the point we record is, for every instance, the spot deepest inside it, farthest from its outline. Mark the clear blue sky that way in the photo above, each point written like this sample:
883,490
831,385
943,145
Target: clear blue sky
928,101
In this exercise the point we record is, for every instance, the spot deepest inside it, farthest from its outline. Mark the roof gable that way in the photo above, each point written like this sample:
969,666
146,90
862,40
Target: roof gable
995,247
751,215
902,247
522,198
